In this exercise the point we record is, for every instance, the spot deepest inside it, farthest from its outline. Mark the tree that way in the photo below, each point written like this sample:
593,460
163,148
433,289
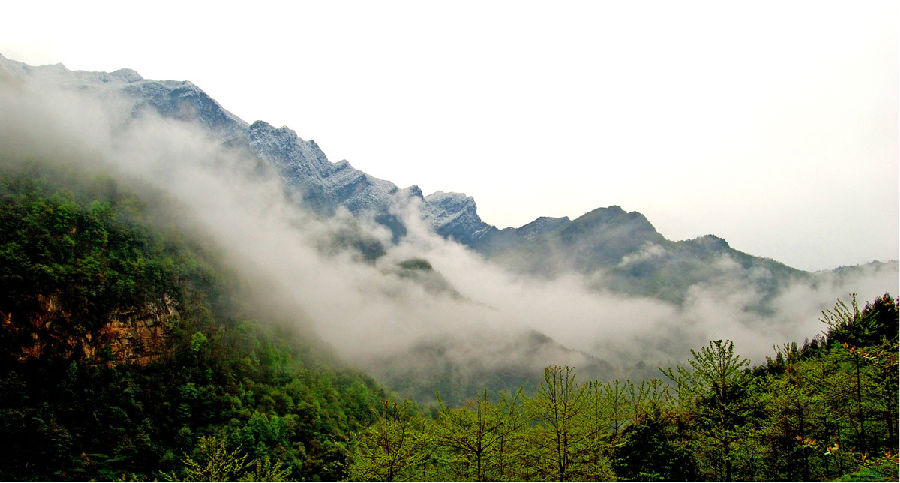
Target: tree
512,420
714,389
875,324
614,400
559,406
392,448
647,451
868,341
471,433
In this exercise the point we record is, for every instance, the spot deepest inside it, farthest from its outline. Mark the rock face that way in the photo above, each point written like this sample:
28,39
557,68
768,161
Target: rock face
140,335
325,185
454,216
186,102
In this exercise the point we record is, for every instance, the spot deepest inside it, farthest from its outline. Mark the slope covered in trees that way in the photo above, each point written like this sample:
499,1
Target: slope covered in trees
124,353
127,352
826,410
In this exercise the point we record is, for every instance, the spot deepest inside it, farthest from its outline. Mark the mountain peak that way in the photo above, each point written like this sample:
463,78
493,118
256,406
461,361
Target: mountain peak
293,157
415,192
126,75
710,241
442,196
541,225
454,215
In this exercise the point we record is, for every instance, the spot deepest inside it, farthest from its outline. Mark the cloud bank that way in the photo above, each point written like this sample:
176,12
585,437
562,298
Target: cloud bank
373,314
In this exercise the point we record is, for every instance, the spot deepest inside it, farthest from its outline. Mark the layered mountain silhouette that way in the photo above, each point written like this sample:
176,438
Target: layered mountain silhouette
621,250
609,250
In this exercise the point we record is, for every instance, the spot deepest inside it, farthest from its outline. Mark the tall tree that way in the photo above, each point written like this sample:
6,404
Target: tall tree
392,448
472,433
558,406
714,388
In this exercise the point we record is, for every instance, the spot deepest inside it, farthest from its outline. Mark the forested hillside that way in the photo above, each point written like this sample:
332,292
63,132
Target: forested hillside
170,229
826,410
124,353
127,351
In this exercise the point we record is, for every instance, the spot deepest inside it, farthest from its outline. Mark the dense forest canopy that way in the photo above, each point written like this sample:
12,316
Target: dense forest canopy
125,356
126,352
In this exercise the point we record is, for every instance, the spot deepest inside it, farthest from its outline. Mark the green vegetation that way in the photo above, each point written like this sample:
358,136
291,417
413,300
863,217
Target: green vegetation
126,353
416,264
823,411
123,355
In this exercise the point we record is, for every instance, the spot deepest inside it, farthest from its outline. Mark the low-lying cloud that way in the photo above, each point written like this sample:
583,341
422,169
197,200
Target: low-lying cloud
370,313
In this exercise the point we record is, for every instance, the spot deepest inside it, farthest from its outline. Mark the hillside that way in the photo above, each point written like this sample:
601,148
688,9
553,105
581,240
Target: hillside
631,255
188,296
416,290
124,353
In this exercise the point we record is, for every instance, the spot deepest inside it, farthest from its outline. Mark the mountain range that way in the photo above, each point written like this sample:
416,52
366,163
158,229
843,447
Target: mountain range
612,250
623,243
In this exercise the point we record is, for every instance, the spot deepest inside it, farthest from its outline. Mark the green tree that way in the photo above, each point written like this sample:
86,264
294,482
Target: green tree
648,450
213,461
559,407
393,448
510,412
714,389
471,432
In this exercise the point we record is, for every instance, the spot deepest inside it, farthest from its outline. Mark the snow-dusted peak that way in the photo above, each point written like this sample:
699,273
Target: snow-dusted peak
60,74
454,215
286,151
303,165
56,72
450,199
127,75
444,207
174,99
181,100
413,192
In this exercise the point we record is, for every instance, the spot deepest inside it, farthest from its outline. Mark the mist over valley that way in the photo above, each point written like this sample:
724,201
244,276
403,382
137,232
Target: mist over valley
416,290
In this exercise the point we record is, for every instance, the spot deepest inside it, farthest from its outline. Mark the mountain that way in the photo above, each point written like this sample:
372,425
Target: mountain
463,320
323,187
166,312
302,165
124,346
629,255
621,251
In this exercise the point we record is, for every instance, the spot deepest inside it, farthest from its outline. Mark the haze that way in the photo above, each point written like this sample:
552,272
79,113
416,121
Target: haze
771,124
290,269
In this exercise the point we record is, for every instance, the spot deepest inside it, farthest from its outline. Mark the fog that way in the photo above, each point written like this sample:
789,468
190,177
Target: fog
373,314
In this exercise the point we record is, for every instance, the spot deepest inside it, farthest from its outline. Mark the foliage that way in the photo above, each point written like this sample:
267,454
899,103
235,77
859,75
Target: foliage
216,462
222,395
559,405
823,411
393,448
648,450
237,398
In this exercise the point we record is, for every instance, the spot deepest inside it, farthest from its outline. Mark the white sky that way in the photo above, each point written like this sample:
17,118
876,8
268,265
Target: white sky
773,124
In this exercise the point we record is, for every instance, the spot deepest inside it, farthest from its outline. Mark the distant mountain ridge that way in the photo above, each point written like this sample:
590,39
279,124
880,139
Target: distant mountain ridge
621,250
608,250
324,185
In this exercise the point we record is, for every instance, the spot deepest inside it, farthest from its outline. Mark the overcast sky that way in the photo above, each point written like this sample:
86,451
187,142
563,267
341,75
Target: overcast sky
771,124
